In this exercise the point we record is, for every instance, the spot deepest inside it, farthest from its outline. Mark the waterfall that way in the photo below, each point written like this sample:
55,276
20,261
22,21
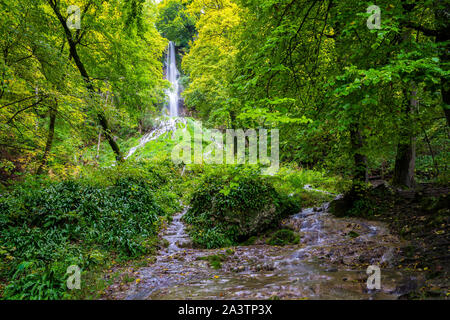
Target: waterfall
172,75
166,125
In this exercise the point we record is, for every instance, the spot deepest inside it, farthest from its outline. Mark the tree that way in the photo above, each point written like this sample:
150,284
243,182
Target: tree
55,81
175,23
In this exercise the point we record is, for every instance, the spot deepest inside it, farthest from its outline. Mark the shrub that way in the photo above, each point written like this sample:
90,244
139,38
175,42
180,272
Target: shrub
283,237
47,226
232,204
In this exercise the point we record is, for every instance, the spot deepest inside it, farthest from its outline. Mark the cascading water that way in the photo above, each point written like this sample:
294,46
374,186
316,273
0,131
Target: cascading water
172,75
166,125
324,265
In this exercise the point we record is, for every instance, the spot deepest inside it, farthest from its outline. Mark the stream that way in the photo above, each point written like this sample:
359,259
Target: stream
326,264
330,262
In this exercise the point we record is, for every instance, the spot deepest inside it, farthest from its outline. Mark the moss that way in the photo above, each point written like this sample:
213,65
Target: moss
215,261
284,237
353,234
230,206
250,241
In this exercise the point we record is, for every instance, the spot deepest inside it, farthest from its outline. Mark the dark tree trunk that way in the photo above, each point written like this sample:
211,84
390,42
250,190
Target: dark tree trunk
51,133
404,164
443,36
233,126
405,160
76,58
360,175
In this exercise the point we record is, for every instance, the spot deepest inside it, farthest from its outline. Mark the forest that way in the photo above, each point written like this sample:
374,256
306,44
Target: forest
351,99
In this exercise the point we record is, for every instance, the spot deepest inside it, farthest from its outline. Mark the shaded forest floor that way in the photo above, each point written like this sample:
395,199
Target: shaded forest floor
421,217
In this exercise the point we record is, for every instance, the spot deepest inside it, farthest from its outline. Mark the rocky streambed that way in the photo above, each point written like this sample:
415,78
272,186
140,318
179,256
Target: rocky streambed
330,262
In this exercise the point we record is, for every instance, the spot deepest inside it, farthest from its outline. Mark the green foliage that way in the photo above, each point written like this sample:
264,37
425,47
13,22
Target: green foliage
344,97
283,237
210,61
362,207
315,71
215,261
230,205
353,234
120,50
175,23
291,181
296,179
48,226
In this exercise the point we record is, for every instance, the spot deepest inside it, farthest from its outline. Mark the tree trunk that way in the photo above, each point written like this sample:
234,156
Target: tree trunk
141,126
51,133
76,58
441,16
98,145
405,160
360,175
405,164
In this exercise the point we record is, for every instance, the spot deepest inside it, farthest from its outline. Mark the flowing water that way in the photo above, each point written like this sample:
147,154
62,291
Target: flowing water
173,94
173,75
327,264
165,126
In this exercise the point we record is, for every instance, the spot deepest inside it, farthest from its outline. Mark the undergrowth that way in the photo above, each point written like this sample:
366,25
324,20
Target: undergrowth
47,226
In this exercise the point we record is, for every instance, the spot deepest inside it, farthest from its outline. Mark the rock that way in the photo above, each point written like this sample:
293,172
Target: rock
268,267
184,244
434,292
253,207
348,260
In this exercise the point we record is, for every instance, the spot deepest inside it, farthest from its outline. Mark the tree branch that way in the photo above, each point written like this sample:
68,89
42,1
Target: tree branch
23,109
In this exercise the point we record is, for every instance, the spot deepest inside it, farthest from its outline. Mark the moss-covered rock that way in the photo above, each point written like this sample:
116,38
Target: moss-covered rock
283,237
229,207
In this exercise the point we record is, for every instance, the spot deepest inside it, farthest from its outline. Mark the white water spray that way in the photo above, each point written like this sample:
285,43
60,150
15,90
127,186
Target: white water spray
172,75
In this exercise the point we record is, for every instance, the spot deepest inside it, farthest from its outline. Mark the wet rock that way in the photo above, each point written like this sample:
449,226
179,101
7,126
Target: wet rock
406,287
348,260
238,269
268,267
185,244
